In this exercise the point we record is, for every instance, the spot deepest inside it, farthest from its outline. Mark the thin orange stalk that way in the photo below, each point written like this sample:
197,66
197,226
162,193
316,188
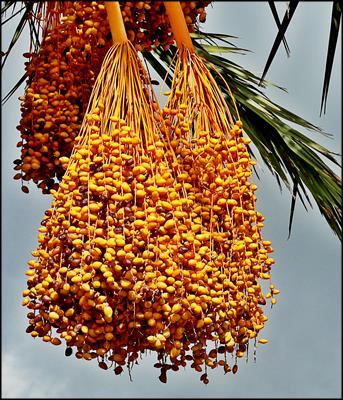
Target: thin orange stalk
116,22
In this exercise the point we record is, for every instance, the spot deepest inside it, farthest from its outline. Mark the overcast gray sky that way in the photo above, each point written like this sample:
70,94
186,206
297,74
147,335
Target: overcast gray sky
303,357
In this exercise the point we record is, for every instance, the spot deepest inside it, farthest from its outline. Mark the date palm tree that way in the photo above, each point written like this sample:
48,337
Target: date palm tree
293,157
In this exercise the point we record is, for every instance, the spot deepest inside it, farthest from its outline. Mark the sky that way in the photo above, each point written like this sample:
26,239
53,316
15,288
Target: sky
303,356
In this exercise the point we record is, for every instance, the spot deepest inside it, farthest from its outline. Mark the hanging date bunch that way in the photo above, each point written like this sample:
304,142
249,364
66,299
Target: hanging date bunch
108,277
214,159
150,243
60,79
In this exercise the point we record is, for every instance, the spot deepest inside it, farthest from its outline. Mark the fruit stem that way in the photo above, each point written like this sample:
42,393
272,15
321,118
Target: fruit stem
178,24
116,22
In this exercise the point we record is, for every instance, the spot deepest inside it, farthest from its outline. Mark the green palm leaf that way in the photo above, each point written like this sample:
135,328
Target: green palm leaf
280,35
278,24
334,29
335,24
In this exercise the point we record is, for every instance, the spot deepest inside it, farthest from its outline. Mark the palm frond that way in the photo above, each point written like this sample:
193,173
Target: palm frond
333,36
223,49
291,156
335,24
280,35
213,37
14,14
7,5
278,24
19,29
